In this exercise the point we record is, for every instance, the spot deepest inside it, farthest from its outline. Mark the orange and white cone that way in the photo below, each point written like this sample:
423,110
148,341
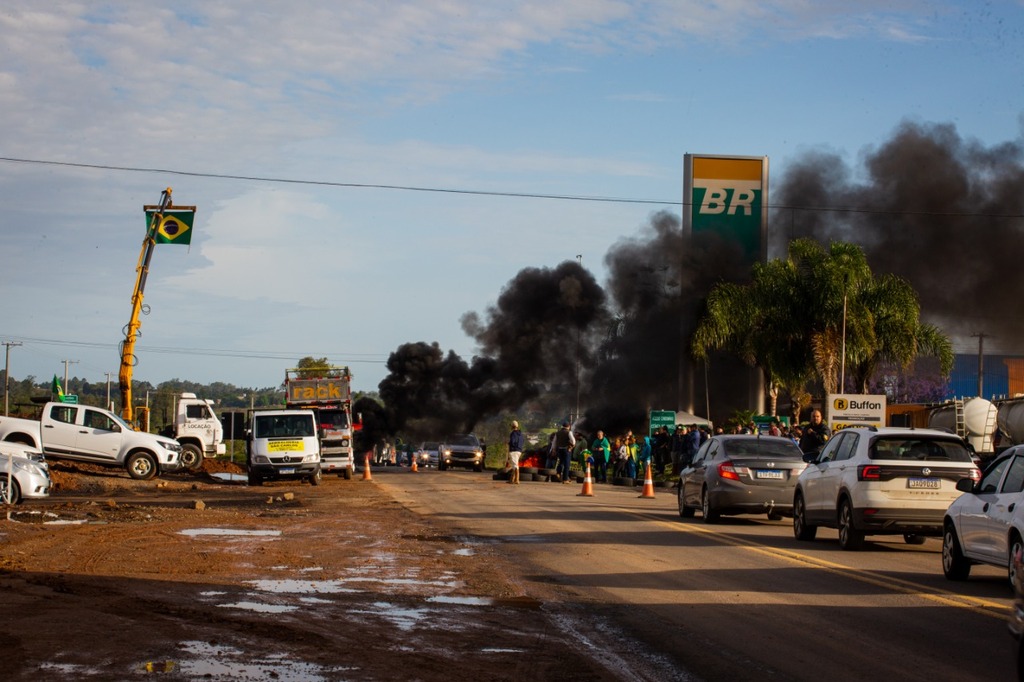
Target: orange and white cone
413,468
648,483
588,484
366,469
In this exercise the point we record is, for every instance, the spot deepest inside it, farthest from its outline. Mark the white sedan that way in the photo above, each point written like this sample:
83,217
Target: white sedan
986,524
24,473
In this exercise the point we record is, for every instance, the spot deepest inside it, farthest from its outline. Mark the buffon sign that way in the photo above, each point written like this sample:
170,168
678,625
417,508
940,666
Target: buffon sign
728,195
847,411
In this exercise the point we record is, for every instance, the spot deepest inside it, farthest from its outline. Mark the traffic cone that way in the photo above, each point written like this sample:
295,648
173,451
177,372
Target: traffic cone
588,484
367,476
648,483
413,466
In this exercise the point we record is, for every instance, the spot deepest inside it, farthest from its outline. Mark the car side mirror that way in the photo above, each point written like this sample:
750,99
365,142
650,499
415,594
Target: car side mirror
965,485
116,428
810,457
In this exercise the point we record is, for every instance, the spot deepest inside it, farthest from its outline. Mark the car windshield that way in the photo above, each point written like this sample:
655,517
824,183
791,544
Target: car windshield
760,447
334,419
463,439
278,426
917,448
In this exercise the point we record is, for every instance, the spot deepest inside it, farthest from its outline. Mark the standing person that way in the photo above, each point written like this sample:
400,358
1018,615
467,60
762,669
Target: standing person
601,450
691,443
561,448
662,446
630,455
678,445
516,445
815,434
644,455
579,449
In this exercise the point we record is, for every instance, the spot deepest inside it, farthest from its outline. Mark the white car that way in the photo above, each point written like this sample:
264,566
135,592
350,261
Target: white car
986,524
24,473
881,481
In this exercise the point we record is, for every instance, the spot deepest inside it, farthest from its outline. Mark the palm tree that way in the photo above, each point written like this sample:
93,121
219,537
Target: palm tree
814,314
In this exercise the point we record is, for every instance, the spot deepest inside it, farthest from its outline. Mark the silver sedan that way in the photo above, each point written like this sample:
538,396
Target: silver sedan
741,474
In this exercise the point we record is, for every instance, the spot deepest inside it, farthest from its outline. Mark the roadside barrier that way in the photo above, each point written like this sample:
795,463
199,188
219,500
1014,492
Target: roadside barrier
648,483
367,476
588,484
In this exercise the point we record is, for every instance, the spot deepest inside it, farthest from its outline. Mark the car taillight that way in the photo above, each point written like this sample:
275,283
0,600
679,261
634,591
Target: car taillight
974,475
729,470
869,472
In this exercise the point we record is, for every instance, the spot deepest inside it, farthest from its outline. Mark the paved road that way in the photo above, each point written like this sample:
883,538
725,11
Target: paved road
741,599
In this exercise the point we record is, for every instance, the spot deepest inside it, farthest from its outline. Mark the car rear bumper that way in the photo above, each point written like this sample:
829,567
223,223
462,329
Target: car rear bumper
897,521
752,500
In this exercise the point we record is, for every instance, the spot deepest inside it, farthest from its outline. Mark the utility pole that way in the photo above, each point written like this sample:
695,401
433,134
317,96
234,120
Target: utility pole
67,388
108,405
981,360
579,259
7,373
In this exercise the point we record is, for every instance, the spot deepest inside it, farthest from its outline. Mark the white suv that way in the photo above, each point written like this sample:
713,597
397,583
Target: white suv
881,481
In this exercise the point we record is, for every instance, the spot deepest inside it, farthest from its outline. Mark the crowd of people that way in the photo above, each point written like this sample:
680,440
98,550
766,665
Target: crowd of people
628,455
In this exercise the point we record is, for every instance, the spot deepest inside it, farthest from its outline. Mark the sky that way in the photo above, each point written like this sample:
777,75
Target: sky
366,173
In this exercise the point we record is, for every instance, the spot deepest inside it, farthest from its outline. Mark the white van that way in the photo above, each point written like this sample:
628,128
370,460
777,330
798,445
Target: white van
283,444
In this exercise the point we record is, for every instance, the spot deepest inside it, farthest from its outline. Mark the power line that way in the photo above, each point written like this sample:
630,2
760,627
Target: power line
361,358
490,193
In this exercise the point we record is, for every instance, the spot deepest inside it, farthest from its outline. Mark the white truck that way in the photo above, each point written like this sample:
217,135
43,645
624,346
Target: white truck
197,429
92,434
283,444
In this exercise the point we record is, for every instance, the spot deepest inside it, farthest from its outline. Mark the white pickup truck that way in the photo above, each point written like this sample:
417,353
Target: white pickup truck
92,434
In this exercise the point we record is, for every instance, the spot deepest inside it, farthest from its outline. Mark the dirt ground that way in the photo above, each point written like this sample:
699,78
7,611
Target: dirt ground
195,577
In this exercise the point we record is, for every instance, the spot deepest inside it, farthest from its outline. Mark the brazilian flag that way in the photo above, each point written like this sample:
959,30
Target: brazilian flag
173,227
56,390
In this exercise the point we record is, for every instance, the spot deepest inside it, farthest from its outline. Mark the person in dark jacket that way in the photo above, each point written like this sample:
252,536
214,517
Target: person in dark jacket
516,445
815,434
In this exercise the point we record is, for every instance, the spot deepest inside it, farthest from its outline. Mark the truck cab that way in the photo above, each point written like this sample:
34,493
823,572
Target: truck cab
198,430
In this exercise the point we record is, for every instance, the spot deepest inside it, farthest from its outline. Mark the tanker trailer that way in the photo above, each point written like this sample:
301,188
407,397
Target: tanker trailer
1011,420
973,419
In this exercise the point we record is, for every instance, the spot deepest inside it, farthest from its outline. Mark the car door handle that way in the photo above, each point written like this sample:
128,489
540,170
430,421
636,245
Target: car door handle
1010,508
985,508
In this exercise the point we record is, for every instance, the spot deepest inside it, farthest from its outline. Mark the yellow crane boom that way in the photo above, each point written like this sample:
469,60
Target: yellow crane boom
131,330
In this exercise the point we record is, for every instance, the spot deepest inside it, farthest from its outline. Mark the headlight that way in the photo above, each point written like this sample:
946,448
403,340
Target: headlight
28,467
260,459
344,442
311,458
173,446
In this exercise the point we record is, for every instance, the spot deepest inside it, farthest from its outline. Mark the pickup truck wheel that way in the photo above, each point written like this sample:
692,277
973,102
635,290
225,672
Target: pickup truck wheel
141,466
12,496
191,457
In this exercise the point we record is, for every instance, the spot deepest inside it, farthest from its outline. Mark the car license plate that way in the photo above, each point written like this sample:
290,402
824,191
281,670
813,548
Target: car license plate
926,483
771,473
287,471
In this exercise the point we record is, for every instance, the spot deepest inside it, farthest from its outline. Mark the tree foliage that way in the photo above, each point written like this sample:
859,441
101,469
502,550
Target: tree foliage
818,316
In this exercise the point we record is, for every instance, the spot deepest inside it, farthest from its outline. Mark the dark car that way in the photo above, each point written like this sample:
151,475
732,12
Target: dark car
461,450
741,474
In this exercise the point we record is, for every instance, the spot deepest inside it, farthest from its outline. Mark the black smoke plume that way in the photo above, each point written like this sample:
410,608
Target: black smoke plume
939,210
